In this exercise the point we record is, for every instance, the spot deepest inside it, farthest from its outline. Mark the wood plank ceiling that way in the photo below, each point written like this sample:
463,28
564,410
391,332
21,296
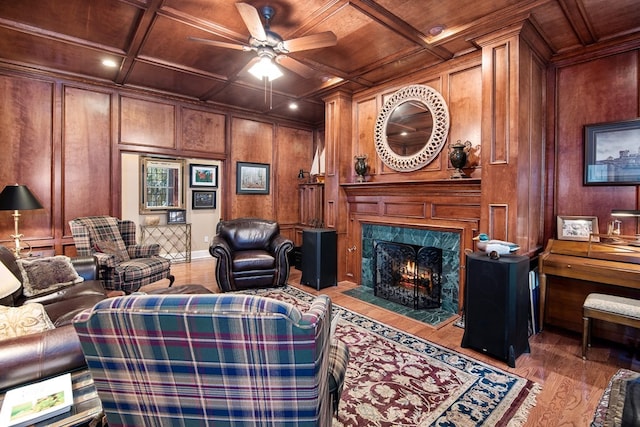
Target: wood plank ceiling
376,41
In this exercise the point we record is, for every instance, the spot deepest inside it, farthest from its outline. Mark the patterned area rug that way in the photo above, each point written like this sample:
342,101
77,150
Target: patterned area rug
397,379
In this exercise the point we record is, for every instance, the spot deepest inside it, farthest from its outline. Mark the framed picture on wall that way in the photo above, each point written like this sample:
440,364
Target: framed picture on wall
203,176
252,178
577,227
203,200
611,155
176,216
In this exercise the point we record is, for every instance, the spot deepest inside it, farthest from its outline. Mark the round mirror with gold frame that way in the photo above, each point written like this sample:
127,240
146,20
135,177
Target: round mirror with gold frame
411,128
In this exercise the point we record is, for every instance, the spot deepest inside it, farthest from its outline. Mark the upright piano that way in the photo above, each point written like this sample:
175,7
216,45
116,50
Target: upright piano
570,270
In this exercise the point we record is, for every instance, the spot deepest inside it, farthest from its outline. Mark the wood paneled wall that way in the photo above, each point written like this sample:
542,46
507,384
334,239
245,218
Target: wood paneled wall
64,138
605,89
460,84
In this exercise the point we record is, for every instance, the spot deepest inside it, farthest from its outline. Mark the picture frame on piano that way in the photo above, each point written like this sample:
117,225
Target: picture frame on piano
579,228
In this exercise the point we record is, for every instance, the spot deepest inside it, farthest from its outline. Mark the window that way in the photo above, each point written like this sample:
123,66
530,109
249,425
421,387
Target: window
161,184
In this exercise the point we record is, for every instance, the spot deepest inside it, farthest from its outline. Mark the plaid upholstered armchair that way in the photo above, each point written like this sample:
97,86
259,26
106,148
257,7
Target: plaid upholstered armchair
123,264
215,359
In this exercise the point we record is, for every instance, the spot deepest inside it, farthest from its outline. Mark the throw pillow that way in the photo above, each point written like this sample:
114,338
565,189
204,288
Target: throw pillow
105,228
27,319
112,248
44,275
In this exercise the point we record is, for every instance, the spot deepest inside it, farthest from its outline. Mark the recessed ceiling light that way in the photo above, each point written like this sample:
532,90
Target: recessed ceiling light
436,30
109,63
293,106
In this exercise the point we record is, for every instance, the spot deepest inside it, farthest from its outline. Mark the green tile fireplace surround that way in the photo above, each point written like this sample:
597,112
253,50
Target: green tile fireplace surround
449,242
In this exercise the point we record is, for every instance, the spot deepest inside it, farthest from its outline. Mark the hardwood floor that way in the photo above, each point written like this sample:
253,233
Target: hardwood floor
571,387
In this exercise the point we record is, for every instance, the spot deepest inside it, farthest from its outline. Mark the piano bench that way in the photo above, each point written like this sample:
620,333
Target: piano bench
609,308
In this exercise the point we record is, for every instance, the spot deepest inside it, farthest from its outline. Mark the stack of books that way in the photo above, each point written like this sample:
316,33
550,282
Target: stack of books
29,404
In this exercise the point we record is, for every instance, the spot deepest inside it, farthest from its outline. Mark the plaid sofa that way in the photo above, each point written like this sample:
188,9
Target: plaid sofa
126,265
217,359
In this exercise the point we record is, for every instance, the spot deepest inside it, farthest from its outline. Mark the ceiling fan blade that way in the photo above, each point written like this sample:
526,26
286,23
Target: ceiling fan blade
220,44
313,41
295,66
251,19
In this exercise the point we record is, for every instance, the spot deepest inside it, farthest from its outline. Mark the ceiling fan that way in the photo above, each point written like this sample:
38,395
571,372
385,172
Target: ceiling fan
270,47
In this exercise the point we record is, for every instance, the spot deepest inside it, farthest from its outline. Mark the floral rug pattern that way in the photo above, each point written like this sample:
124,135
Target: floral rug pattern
397,379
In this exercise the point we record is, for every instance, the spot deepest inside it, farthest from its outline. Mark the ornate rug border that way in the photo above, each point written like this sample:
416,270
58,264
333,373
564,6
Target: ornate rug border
517,389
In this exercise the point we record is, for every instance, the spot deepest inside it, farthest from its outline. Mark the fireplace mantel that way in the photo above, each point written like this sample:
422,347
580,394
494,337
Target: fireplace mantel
445,205
445,186
429,202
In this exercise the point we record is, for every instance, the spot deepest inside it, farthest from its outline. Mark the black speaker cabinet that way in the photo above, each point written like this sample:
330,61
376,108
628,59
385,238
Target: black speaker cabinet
497,306
319,258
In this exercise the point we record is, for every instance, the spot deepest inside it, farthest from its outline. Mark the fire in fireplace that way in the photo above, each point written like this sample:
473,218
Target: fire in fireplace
408,274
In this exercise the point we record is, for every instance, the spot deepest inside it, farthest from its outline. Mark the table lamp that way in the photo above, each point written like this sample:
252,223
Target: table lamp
629,213
18,198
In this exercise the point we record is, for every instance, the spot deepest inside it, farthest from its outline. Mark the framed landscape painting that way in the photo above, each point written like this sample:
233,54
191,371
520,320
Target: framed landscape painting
612,155
252,178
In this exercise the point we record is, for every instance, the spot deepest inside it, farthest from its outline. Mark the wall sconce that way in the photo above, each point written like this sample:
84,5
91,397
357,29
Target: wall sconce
302,173
18,198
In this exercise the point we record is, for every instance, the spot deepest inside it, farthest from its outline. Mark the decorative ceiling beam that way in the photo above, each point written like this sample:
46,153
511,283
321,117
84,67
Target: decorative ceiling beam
577,17
402,28
139,36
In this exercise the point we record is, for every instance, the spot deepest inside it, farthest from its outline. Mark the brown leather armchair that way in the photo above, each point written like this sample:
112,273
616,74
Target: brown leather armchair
250,253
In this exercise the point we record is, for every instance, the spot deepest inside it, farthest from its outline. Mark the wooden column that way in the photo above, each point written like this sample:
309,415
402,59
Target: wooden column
513,122
337,169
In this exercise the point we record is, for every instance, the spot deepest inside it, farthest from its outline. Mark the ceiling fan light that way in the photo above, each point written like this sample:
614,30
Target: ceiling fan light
265,68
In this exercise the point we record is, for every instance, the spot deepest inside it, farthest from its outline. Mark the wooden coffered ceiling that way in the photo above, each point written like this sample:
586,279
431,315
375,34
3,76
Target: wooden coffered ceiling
377,41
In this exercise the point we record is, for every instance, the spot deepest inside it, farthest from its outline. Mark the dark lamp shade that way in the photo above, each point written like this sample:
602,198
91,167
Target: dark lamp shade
18,197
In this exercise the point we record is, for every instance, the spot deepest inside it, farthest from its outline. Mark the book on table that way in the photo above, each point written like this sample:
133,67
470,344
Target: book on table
29,404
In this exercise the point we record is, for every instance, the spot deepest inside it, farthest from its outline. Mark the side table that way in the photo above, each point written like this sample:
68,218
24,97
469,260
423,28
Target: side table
174,240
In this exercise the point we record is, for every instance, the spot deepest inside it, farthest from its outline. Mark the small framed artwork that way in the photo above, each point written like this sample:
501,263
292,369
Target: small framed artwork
203,200
176,216
577,227
203,176
252,178
611,153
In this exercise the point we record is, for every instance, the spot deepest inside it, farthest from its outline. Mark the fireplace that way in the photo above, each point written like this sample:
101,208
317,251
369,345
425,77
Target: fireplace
448,242
408,274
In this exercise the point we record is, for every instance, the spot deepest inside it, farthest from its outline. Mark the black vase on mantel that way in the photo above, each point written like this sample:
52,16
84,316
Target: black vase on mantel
361,166
458,158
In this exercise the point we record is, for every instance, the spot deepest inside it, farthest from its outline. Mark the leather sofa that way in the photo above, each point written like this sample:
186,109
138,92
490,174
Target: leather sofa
250,253
40,355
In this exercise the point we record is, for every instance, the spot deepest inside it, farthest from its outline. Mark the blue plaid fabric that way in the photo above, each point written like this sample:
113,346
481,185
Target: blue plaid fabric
218,359
143,266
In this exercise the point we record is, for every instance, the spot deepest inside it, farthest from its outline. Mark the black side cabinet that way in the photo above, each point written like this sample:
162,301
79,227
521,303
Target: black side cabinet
497,306
319,258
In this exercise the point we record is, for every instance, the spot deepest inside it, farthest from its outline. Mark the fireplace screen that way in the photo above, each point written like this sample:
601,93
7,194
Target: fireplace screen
408,274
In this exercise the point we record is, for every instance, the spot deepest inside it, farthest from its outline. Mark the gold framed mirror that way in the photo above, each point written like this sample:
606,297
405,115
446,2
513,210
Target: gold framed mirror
162,184
411,128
